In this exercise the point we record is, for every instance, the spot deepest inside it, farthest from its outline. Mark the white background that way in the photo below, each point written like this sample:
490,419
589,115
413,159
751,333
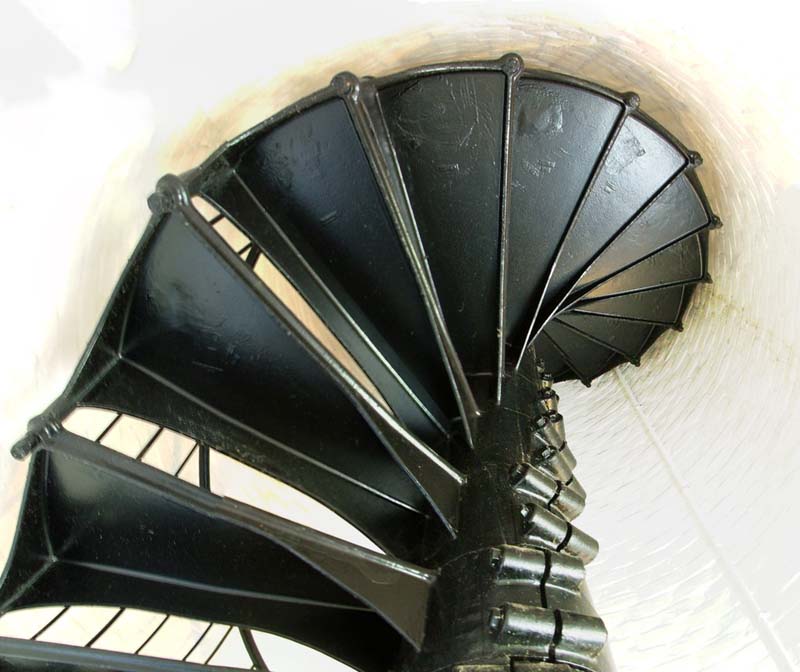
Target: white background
692,461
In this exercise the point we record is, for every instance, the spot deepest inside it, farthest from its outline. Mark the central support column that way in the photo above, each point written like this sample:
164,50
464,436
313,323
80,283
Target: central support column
510,594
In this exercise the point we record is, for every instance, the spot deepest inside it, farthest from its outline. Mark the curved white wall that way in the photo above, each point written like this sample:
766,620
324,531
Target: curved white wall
692,461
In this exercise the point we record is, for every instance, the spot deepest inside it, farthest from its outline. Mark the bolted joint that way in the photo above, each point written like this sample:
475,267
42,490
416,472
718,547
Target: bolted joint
520,564
552,462
530,484
543,529
40,429
555,635
523,625
547,402
557,421
545,381
171,194
496,619
631,100
545,433
695,160
346,85
160,203
512,64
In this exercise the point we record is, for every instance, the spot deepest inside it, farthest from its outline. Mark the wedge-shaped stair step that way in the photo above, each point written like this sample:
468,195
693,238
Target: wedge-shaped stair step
302,188
559,134
679,264
389,276
407,395
677,213
638,166
626,338
195,342
659,307
552,357
333,185
103,529
447,132
586,358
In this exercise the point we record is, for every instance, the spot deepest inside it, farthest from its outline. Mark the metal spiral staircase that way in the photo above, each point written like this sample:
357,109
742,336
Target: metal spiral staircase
367,297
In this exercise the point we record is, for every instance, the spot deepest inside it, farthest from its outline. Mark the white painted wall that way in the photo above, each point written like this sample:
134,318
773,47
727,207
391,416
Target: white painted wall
692,462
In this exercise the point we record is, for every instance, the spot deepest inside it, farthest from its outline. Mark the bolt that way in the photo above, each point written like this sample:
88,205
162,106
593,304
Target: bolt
495,557
512,64
695,160
517,473
496,618
632,100
160,202
346,84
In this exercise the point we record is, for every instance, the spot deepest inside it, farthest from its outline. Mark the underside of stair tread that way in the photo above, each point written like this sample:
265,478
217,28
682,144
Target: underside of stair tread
367,298
523,193
628,340
659,306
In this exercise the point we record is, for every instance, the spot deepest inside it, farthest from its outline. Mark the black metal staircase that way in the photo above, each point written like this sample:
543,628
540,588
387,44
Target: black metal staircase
443,245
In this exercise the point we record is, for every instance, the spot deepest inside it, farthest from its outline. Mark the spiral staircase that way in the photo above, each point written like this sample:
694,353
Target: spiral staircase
367,297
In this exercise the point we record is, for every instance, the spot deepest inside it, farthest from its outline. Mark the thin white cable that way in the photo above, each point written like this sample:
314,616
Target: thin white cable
780,656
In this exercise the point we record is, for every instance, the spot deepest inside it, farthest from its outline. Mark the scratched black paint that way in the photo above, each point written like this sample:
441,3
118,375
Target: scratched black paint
605,231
